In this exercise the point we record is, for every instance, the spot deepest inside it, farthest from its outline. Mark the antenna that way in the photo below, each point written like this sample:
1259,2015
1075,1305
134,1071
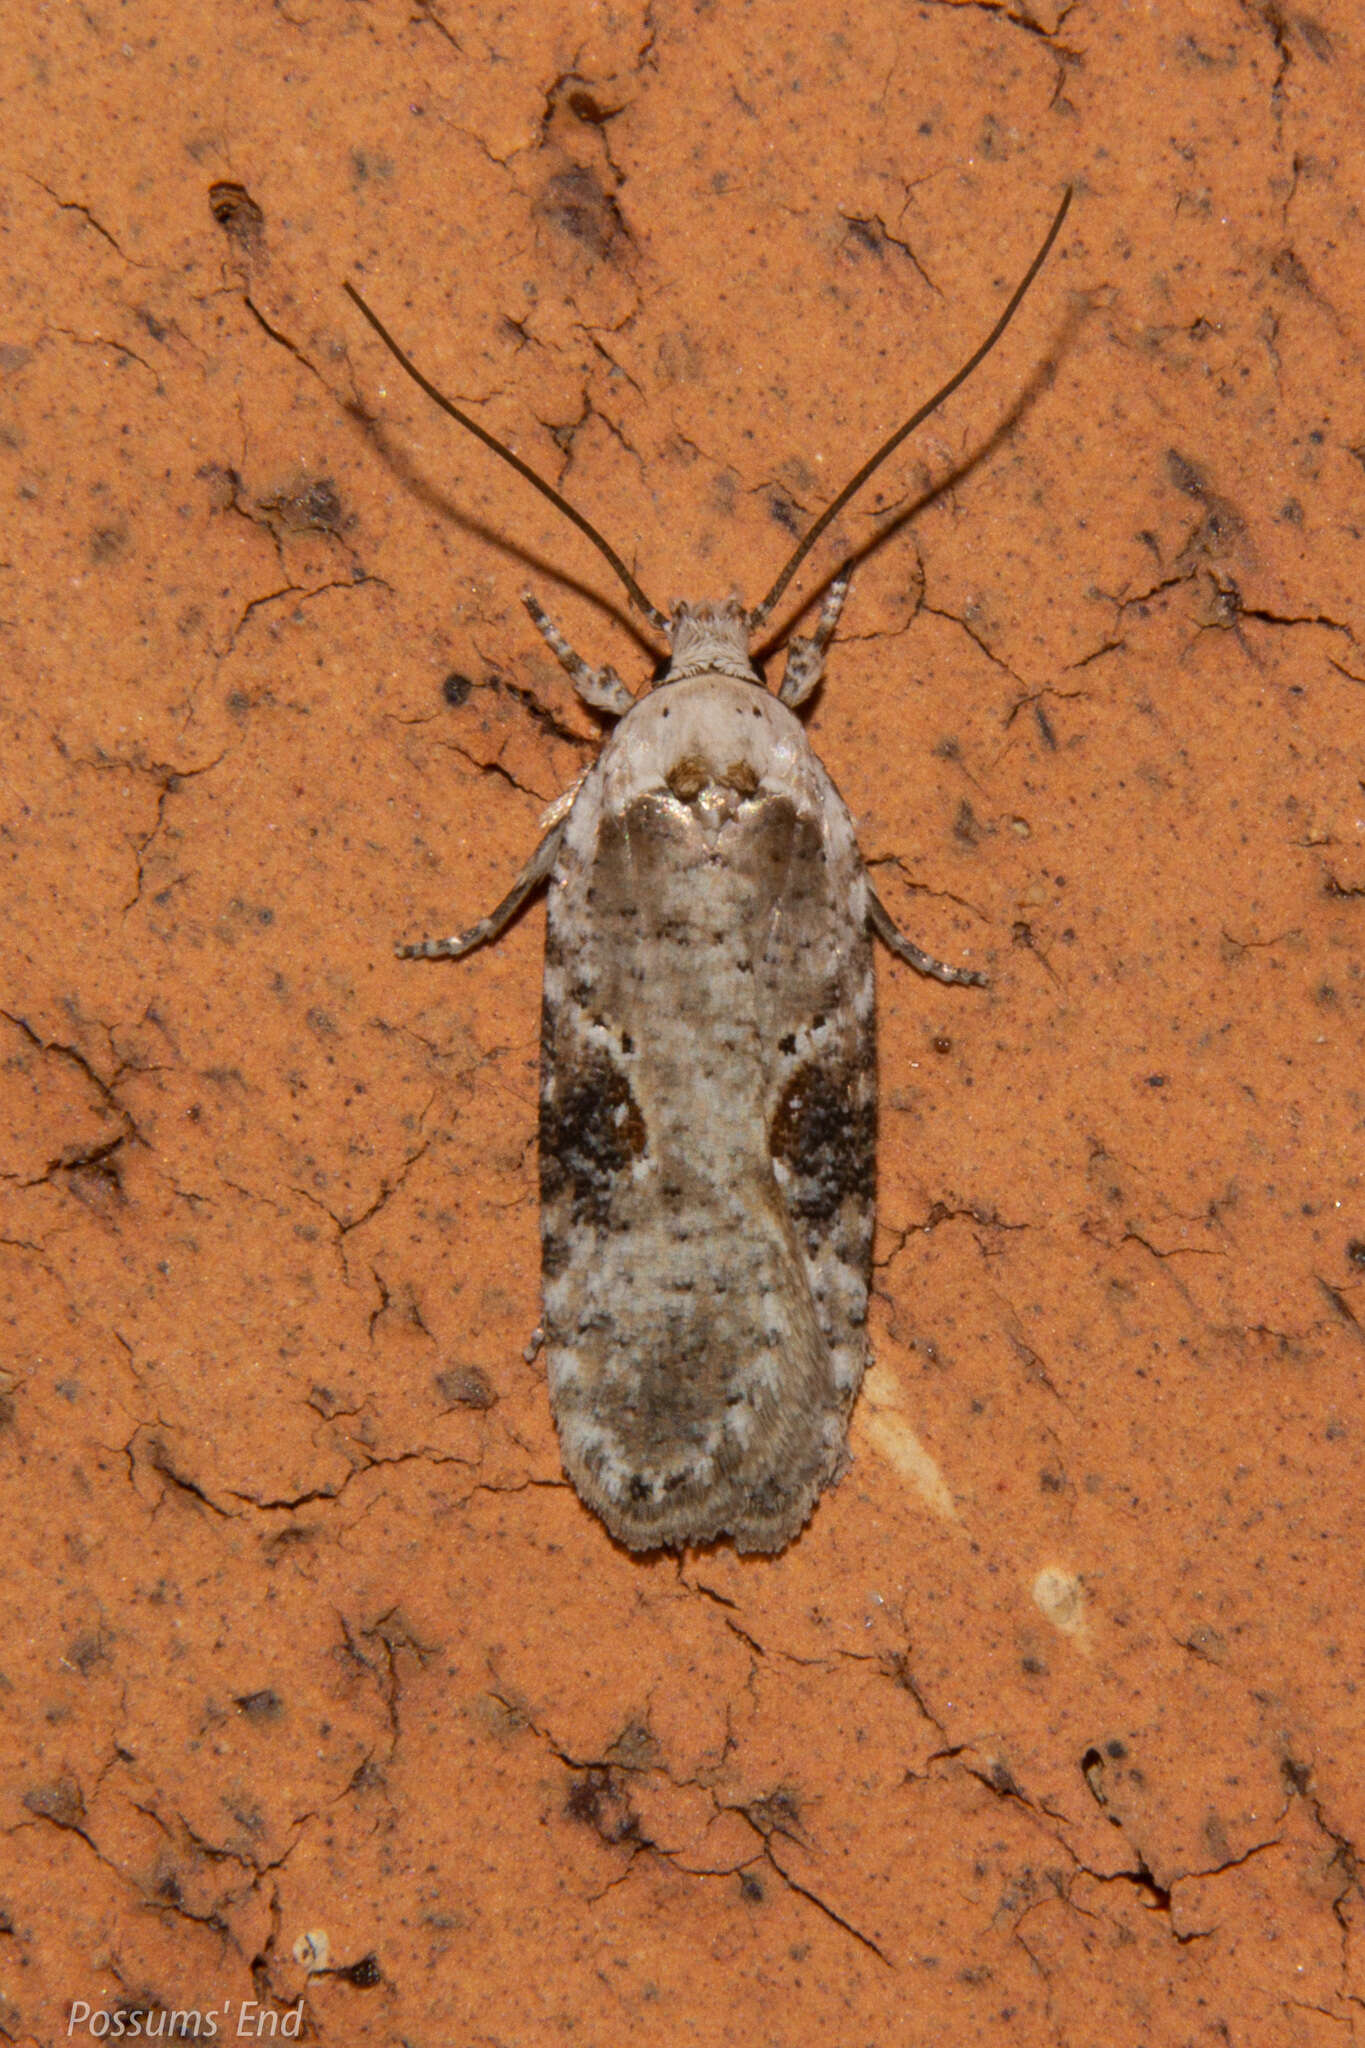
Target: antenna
761,611
633,590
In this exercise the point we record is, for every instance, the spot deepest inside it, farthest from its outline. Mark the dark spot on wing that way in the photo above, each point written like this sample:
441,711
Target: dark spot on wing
824,1131
591,1130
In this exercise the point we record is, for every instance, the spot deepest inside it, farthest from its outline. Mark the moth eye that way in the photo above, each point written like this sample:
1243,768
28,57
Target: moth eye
787,1044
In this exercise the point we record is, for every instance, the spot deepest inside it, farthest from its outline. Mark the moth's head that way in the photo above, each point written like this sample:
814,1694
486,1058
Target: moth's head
710,639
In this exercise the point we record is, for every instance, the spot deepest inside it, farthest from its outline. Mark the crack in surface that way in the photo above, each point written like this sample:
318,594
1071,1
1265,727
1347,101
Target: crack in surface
77,206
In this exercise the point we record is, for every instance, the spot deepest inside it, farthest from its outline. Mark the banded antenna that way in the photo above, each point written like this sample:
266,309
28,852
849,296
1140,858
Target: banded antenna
657,619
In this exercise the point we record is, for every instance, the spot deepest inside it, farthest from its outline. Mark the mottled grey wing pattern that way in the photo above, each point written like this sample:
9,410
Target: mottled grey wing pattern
707,1144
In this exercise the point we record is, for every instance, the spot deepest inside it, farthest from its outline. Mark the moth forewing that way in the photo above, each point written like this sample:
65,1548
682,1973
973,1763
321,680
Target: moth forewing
707,1123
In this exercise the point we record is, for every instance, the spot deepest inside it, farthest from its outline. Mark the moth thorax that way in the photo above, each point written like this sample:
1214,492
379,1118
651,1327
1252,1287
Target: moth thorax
710,638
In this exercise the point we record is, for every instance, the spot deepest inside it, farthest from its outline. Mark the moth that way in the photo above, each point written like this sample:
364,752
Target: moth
708,1097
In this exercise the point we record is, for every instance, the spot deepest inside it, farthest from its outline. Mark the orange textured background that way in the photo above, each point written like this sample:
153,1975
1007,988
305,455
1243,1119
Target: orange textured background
316,1678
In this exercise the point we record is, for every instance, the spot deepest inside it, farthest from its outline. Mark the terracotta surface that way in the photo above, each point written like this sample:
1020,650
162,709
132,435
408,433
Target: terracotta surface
316,1678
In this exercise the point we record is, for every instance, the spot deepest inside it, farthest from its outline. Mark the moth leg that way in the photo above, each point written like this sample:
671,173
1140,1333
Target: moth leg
528,881
880,921
558,811
806,658
600,688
